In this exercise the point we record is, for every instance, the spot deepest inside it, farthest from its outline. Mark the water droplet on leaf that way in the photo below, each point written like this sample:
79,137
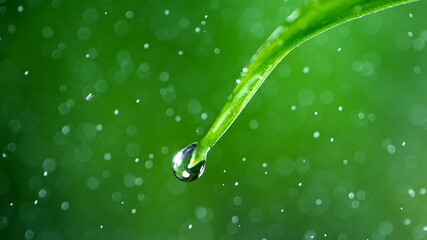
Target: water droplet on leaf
183,167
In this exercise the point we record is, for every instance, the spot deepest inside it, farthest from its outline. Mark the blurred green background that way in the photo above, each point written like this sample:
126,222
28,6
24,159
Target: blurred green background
159,72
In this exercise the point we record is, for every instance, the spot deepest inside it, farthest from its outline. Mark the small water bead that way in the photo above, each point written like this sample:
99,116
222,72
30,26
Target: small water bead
204,116
339,49
65,205
410,34
238,81
306,70
36,202
136,160
20,8
129,14
167,12
235,219
26,73
148,164
107,156
391,149
293,107
340,108
315,113
351,195
29,234
345,161
417,69
183,167
406,221
300,184
137,100
180,52
411,15
411,192
89,97
133,211
217,50
423,191
244,159
264,165
332,139
45,173
116,112
236,184
101,226
403,144
203,22
197,29
190,226
318,202
178,118
146,45
316,134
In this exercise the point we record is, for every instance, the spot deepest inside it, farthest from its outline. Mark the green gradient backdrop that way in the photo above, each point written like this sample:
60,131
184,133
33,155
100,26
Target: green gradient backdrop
364,184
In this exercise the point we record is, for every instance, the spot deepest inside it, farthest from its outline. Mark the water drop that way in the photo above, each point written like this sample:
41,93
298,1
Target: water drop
306,69
184,164
340,108
146,46
339,49
411,15
26,73
89,97
316,134
190,226
167,12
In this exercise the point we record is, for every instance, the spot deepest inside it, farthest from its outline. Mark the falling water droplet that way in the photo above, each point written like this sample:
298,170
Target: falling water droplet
183,164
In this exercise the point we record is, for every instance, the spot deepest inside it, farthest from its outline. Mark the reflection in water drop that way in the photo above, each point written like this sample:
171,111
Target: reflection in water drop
183,165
